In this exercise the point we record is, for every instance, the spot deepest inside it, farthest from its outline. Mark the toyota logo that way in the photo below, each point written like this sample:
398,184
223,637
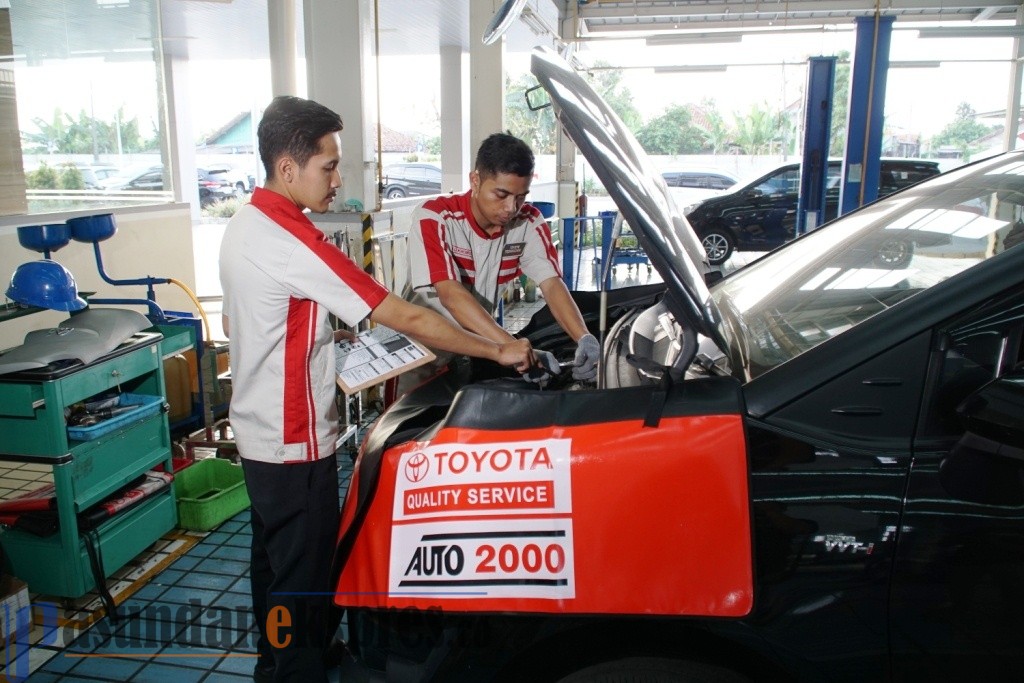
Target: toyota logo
416,468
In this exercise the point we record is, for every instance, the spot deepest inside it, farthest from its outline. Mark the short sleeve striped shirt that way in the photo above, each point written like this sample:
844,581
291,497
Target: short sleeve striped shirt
445,243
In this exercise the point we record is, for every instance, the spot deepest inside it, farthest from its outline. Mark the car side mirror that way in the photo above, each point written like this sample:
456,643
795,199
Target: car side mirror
995,413
986,465
536,98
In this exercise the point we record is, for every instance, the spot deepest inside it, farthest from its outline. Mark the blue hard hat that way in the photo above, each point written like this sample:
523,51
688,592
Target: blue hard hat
45,284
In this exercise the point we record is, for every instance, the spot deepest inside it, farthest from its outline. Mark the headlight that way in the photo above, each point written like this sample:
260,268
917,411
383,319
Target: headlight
687,210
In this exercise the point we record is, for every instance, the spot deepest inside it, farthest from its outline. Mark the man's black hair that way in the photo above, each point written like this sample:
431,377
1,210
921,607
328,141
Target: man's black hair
293,126
504,153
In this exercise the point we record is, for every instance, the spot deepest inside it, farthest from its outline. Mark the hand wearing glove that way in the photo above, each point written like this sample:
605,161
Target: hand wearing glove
588,351
546,368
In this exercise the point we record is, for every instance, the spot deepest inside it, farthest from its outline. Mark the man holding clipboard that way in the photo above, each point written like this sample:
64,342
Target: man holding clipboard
281,278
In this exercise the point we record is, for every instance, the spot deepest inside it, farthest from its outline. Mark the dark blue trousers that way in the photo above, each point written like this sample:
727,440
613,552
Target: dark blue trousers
295,521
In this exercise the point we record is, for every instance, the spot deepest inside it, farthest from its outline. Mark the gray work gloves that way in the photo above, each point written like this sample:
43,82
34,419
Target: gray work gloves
546,368
588,351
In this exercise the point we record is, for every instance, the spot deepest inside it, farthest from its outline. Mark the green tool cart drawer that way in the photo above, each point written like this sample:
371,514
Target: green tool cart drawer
20,400
110,463
47,568
112,373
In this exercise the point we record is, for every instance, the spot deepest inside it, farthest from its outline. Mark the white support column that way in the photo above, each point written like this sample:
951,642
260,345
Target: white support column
565,149
179,148
1012,123
341,75
455,160
281,25
486,78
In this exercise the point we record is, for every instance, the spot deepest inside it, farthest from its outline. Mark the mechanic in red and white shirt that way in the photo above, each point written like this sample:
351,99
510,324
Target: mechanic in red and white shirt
466,250
281,278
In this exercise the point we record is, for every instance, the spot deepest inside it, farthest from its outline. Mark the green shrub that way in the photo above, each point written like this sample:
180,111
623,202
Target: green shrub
225,208
71,178
43,178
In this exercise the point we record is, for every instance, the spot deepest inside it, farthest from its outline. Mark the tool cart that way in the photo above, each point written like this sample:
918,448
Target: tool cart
92,465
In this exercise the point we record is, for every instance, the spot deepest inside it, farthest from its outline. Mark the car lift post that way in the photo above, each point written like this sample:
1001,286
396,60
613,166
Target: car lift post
810,210
867,104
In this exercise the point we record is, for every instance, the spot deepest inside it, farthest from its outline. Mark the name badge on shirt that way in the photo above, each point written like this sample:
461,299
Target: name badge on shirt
513,250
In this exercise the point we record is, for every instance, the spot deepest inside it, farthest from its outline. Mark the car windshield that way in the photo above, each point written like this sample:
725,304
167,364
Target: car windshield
842,274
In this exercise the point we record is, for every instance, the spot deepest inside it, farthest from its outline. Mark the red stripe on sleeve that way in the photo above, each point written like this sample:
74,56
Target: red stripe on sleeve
297,402
439,261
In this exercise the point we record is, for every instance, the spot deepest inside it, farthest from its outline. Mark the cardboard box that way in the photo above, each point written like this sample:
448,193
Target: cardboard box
13,599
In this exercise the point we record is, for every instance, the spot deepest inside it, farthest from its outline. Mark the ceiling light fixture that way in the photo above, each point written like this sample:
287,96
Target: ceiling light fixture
972,32
912,64
690,68
694,38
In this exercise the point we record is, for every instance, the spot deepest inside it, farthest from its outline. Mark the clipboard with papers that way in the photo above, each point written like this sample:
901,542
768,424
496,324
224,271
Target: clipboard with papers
376,355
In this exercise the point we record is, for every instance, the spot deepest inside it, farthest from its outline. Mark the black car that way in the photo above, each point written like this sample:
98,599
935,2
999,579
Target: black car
411,180
761,214
811,469
214,186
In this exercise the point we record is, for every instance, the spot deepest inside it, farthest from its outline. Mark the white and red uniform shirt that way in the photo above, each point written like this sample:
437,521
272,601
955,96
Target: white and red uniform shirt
445,243
281,277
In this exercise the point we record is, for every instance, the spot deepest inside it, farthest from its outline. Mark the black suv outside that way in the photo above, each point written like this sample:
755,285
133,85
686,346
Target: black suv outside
761,215
410,180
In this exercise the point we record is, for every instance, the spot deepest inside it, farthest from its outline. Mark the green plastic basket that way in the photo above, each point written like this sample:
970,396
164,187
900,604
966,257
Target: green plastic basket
209,492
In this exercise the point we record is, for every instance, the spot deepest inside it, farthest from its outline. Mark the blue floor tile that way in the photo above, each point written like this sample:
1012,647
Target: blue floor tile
239,541
151,591
234,600
169,576
43,677
243,585
216,538
187,595
168,672
60,663
217,677
186,562
231,552
216,582
215,566
192,657
233,525
200,551
107,669
237,665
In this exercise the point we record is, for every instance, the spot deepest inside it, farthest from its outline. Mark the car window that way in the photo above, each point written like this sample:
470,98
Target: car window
784,182
831,280
896,177
982,346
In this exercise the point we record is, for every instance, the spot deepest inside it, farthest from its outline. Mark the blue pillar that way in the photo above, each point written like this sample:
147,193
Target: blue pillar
821,76
867,105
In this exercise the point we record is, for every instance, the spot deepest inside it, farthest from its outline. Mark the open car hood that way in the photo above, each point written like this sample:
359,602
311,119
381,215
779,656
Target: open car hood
637,189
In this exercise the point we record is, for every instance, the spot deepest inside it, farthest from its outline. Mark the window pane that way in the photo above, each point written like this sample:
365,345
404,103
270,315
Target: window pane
88,107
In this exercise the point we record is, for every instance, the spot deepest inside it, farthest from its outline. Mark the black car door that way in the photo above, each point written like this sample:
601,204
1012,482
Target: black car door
957,608
828,472
766,216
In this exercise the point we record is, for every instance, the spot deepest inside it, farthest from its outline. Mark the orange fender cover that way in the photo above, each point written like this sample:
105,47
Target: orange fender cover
589,517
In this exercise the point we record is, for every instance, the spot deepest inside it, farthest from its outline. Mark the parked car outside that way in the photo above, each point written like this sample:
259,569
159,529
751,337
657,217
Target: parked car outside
688,185
243,182
411,180
95,175
213,187
136,178
808,470
761,215
216,186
